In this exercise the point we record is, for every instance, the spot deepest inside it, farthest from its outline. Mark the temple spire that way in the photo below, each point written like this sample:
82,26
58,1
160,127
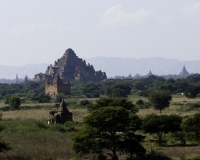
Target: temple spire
17,79
150,73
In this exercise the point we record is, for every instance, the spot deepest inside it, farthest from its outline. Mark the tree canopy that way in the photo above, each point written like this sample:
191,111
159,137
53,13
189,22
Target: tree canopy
118,90
160,99
91,90
103,102
109,128
192,127
13,101
160,124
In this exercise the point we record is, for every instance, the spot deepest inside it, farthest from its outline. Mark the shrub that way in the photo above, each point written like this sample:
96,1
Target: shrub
142,105
6,108
154,155
178,136
192,106
59,97
41,125
14,102
52,112
70,126
72,104
6,99
58,128
84,102
42,98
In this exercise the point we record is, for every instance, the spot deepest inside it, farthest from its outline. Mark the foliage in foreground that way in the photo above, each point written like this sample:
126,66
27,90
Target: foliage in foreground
124,103
111,128
4,146
192,127
33,139
161,124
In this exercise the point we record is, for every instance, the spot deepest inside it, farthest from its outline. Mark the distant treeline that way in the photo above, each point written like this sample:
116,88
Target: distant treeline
25,89
189,86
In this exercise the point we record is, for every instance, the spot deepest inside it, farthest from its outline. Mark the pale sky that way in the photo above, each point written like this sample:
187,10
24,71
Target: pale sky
39,31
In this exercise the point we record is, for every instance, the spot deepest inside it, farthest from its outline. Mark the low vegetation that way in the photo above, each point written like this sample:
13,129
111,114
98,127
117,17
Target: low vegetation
144,119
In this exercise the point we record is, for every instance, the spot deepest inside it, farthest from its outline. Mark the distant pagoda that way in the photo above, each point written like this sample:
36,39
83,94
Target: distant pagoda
184,72
16,79
71,67
150,73
26,78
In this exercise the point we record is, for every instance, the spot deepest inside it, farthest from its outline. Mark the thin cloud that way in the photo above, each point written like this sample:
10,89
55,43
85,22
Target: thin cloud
116,16
191,9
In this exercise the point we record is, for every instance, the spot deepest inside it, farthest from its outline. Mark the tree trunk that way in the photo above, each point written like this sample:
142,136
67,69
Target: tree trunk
114,149
160,138
114,154
131,155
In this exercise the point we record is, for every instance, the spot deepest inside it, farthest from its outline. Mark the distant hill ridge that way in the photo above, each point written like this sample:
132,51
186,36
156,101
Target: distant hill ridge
159,66
113,66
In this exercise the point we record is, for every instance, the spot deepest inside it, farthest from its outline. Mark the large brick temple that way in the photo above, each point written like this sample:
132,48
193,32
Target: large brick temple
71,67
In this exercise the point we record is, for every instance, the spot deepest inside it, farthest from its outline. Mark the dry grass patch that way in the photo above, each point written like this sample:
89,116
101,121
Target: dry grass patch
177,102
40,114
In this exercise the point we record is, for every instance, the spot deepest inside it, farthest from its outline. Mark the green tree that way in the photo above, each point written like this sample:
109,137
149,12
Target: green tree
42,98
118,90
14,101
91,90
195,78
6,99
191,126
161,124
108,128
103,102
151,82
59,97
131,143
178,136
84,102
160,99
141,104
192,90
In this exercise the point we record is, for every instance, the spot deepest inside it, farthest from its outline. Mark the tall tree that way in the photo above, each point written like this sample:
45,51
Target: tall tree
192,90
160,124
160,99
109,128
191,126
14,101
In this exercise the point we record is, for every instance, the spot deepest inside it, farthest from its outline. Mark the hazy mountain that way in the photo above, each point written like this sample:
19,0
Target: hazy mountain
9,72
113,66
160,66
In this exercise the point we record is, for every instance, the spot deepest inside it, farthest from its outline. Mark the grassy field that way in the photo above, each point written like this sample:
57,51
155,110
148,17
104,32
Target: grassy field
29,135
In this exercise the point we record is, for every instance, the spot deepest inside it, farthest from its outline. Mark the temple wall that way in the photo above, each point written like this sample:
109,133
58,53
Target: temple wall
51,89
65,88
54,89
